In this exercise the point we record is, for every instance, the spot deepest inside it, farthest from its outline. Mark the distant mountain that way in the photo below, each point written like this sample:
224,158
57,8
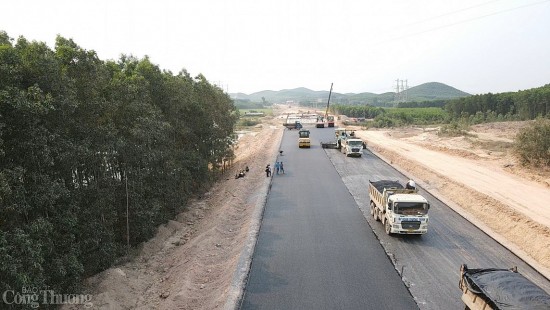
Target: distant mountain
434,91
423,92
296,94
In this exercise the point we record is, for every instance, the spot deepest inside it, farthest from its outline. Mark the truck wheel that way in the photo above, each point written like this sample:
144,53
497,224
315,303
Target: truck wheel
387,227
372,209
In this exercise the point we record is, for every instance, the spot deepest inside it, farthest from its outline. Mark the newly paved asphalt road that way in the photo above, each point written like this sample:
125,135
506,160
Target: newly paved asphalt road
315,250
430,264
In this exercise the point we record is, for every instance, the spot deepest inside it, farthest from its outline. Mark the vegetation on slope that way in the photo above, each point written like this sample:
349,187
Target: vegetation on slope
94,155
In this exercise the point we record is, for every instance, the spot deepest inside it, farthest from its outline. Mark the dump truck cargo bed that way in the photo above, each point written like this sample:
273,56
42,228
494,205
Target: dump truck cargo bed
491,288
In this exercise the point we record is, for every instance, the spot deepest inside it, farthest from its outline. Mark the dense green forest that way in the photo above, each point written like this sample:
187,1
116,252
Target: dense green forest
94,155
521,105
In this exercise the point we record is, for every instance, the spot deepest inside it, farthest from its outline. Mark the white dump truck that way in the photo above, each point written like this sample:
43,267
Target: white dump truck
352,146
348,143
401,210
493,289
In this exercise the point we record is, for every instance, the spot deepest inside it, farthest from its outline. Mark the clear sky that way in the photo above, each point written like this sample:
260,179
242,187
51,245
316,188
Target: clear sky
477,46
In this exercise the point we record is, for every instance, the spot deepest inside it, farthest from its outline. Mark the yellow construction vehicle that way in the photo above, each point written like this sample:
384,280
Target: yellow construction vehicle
303,140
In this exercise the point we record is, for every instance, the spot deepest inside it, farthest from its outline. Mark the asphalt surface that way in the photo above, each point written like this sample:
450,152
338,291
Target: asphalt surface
319,248
315,250
429,264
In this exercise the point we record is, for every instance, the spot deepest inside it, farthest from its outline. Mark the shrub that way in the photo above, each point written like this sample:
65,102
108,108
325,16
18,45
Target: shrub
532,144
453,130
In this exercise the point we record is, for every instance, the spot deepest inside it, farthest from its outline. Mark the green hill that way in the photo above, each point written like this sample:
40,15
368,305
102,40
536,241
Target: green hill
434,91
423,92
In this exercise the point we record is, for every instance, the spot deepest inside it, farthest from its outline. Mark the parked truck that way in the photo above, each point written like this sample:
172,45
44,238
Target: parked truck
492,289
292,124
330,121
401,210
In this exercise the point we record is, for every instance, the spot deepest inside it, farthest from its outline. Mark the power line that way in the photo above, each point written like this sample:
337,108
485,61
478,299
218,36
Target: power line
463,21
448,13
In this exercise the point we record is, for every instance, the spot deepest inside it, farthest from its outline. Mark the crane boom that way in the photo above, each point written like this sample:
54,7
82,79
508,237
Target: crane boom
328,102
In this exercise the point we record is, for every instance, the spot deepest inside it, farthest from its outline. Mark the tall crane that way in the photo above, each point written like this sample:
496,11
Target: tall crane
321,119
330,119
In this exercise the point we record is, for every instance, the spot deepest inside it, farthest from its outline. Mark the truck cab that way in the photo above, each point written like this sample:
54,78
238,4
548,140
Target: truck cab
401,210
352,146
407,213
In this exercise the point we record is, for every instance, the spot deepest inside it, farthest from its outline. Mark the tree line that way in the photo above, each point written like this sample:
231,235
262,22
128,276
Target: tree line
94,155
522,105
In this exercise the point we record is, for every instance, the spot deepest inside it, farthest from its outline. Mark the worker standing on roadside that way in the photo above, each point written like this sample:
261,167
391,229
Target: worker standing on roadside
282,167
277,167
267,171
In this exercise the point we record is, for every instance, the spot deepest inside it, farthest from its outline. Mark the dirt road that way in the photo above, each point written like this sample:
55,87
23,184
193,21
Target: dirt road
525,196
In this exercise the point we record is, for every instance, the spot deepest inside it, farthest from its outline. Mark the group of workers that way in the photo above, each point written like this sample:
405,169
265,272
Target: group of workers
279,168
242,173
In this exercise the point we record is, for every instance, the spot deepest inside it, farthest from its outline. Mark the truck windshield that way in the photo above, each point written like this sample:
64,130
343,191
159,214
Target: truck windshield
355,143
411,208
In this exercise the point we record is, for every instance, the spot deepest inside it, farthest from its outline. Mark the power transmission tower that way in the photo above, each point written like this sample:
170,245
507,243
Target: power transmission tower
401,88
397,94
405,91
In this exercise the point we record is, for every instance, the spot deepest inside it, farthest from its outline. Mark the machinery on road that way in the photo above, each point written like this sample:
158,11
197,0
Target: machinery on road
492,289
401,210
352,147
348,143
330,119
303,140
320,122
292,124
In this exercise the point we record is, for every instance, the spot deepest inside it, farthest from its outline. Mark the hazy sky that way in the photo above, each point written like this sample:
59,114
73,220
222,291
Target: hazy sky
477,46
